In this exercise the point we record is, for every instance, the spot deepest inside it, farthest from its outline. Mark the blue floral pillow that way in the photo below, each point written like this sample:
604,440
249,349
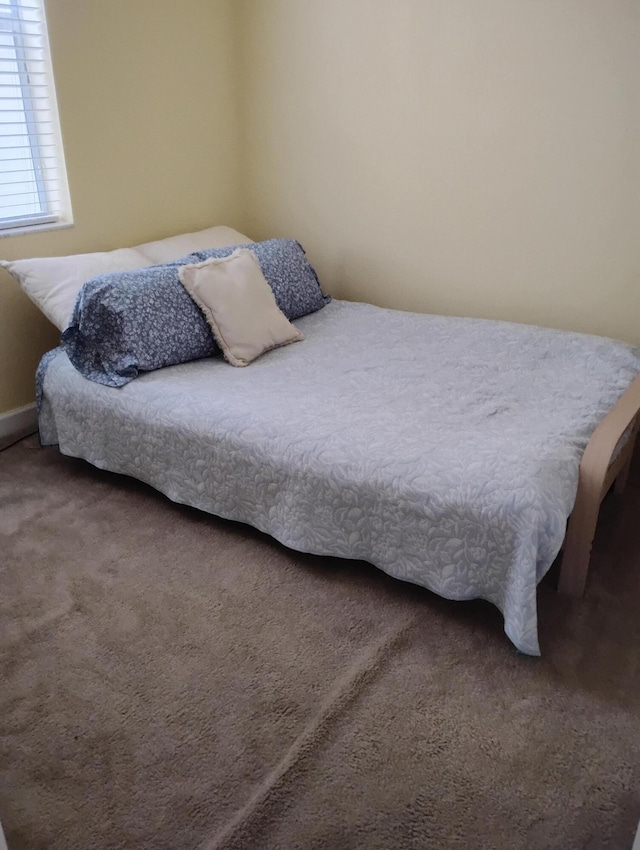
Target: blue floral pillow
124,323
292,278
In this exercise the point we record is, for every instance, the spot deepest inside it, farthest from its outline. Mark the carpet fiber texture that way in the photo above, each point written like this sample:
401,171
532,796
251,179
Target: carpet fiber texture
171,680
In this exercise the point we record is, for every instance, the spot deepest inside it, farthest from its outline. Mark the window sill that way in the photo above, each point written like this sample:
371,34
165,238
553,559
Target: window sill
35,228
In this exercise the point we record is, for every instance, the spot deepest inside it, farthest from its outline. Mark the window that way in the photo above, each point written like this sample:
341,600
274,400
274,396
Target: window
33,185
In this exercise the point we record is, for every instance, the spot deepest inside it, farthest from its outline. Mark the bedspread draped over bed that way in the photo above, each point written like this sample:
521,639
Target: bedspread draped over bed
445,451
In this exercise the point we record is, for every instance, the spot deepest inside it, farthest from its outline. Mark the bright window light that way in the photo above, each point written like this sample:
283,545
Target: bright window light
33,184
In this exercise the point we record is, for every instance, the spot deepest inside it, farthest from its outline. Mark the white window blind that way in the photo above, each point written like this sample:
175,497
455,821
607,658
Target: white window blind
33,187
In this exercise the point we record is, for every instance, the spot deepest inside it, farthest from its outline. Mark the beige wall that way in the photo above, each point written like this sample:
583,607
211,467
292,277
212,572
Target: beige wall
464,157
148,105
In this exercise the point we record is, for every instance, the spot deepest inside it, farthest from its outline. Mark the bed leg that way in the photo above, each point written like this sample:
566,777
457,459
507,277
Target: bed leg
577,550
593,484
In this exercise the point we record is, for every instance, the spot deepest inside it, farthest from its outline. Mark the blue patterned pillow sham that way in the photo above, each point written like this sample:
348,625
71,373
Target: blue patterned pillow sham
290,275
124,323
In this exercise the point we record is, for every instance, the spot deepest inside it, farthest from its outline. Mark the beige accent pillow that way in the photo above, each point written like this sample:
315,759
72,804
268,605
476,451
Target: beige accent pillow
239,306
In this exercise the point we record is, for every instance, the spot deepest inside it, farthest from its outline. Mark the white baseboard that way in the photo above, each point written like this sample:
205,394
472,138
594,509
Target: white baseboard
17,423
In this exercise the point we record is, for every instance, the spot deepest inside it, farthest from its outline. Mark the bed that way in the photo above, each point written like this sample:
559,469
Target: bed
448,452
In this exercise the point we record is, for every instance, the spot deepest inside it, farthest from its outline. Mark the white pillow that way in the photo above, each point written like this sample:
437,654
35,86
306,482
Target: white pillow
166,250
239,306
53,283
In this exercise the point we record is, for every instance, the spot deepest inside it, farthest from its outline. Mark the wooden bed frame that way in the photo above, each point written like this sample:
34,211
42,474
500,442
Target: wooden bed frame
600,468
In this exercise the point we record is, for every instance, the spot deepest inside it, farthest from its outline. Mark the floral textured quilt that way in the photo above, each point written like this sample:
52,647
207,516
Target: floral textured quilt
445,451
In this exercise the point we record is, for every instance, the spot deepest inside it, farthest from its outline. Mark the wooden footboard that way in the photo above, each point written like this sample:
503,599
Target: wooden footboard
599,469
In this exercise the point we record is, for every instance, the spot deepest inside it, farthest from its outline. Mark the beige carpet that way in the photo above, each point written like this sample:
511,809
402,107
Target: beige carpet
170,680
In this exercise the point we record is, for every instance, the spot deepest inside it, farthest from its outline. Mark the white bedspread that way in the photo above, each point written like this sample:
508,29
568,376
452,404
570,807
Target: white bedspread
445,451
